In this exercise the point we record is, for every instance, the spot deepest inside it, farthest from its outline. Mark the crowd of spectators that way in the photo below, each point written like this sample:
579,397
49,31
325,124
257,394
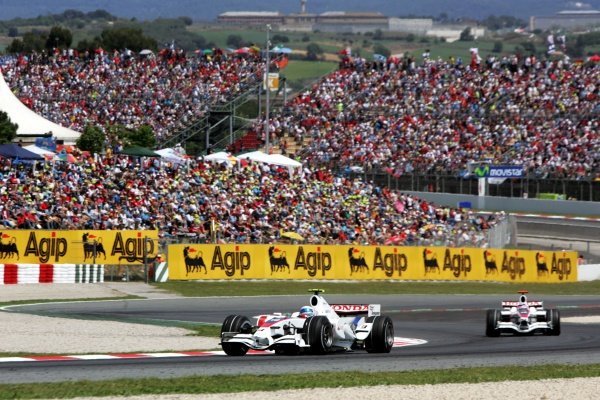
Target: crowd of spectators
202,201
439,115
166,91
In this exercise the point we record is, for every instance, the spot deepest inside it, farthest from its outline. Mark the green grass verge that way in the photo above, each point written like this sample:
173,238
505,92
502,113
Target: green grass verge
243,383
262,288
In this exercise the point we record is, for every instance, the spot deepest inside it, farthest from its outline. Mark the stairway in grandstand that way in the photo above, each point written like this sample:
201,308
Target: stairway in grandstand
215,126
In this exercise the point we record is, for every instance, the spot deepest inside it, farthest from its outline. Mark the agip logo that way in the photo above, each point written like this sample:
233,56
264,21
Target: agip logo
313,262
8,247
561,266
357,261
513,265
136,249
390,263
46,248
278,260
231,261
459,263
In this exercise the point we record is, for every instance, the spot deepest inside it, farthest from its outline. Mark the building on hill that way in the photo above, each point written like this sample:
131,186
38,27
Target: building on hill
568,20
251,18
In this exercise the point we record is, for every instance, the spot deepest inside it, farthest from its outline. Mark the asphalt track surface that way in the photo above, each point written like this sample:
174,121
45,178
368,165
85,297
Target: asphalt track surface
452,325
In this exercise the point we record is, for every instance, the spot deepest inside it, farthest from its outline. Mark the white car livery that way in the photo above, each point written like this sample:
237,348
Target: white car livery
522,317
317,328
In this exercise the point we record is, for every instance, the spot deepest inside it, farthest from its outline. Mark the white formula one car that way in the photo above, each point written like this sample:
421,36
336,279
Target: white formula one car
522,317
317,328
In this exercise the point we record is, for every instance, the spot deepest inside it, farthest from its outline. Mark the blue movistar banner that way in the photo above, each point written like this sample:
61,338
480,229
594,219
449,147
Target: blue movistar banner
499,171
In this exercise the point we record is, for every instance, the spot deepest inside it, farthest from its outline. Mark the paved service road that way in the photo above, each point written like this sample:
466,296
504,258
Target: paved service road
453,327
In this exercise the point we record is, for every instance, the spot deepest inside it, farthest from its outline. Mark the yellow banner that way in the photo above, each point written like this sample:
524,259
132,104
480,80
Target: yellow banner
77,246
325,262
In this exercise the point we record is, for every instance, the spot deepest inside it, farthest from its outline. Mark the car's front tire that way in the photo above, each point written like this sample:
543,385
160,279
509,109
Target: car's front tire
381,338
318,334
237,324
491,326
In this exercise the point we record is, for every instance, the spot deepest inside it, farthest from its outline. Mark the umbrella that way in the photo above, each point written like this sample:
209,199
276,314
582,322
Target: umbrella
146,52
292,235
594,58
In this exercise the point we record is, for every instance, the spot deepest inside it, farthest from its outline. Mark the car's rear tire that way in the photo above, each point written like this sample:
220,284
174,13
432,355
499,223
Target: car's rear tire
553,317
237,324
491,326
381,338
318,334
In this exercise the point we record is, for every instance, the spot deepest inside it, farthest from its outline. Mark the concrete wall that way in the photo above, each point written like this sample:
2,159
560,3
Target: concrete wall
515,204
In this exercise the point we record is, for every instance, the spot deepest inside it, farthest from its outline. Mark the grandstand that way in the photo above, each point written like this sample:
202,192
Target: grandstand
358,131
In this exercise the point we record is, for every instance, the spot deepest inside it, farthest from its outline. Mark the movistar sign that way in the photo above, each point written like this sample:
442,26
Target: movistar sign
499,171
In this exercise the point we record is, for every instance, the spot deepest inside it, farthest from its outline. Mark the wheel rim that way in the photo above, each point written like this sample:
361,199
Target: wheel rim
327,337
389,335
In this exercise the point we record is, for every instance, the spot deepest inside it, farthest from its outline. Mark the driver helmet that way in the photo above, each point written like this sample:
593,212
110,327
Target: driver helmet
306,312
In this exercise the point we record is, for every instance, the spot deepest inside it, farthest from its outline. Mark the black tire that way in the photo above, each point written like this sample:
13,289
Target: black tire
238,324
381,338
318,334
491,330
553,316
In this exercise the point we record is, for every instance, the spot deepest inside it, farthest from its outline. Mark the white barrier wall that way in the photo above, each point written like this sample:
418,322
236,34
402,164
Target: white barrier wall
590,272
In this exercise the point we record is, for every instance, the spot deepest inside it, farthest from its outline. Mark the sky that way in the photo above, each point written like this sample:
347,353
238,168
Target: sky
208,10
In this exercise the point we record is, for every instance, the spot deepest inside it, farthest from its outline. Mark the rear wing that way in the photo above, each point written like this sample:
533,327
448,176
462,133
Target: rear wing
357,309
516,303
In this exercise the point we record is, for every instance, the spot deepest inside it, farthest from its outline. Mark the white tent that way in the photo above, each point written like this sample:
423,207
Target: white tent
279,159
29,122
256,156
221,157
171,155
272,159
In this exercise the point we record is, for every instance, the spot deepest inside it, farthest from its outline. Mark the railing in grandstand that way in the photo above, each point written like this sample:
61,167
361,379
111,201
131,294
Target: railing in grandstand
585,189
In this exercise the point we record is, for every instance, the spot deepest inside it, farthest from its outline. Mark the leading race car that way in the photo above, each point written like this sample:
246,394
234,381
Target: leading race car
317,328
522,317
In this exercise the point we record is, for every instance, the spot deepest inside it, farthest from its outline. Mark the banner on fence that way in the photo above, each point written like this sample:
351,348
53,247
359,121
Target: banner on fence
77,246
285,261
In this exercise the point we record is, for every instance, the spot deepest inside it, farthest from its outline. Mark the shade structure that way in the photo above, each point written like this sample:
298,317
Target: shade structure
139,151
14,152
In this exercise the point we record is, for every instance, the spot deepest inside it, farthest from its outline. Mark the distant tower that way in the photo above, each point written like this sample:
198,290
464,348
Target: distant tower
302,6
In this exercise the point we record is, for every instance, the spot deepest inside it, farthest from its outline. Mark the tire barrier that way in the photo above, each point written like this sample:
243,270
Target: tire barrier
11,274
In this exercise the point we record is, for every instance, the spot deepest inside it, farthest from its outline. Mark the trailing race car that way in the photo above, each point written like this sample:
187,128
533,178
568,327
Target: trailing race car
317,328
522,317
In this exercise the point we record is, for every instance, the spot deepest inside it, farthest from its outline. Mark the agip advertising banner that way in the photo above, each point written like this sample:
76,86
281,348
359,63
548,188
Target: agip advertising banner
324,262
77,246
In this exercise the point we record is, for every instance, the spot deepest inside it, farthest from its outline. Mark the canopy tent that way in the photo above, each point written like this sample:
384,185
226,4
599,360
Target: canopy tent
221,157
28,121
272,159
171,155
47,154
14,151
139,151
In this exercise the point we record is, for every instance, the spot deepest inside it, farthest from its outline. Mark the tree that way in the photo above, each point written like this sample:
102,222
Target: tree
59,38
235,41
497,47
91,139
313,51
8,130
13,32
143,136
381,49
465,35
126,38
277,38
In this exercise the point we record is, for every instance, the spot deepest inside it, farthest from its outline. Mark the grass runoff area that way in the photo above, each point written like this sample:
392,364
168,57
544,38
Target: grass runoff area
240,383
269,383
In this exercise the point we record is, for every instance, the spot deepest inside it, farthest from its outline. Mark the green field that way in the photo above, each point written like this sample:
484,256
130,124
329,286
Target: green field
253,382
